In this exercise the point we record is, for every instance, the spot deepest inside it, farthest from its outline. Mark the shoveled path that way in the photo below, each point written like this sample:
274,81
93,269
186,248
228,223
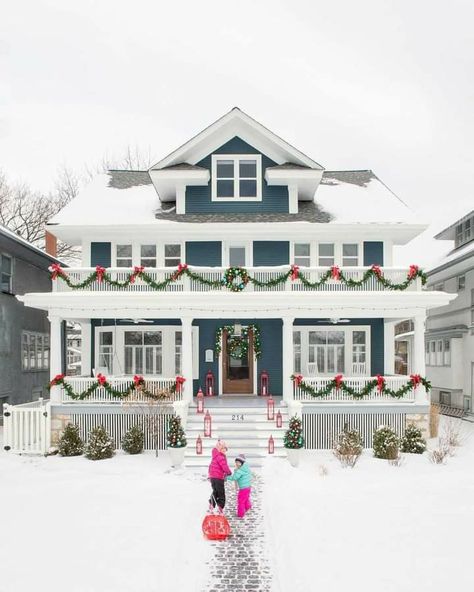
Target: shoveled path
240,563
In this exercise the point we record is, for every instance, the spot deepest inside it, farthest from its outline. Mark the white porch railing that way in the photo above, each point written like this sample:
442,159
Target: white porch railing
357,383
186,284
27,427
81,383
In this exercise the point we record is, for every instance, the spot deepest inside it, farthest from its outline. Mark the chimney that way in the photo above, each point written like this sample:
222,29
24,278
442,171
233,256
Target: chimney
51,244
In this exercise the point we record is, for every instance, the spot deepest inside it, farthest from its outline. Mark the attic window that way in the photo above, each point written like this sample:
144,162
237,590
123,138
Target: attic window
237,177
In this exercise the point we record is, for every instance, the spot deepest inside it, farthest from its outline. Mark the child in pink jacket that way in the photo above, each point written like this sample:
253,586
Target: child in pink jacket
218,471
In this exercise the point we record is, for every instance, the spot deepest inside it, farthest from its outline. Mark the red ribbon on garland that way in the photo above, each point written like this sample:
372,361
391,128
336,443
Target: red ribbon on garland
338,381
181,269
415,380
100,273
295,270
55,270
179,381
138,380
380,382
335,272
297,379
57,379
413,271
101,379
377,270
137,271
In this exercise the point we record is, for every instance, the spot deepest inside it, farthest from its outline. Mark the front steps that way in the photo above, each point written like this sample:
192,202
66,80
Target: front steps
244,428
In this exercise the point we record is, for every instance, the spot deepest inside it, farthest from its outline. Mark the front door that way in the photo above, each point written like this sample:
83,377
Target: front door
237,365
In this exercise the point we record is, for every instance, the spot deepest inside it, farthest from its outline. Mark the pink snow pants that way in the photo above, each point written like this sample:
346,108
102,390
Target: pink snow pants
243,501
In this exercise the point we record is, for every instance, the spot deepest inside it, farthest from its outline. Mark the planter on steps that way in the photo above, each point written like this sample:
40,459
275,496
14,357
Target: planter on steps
293,456
177,456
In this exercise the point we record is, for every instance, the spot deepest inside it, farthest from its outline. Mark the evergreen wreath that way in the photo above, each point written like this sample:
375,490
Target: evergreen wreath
236,278
238,345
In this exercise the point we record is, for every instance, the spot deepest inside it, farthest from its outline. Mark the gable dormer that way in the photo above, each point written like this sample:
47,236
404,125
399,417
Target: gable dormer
236,165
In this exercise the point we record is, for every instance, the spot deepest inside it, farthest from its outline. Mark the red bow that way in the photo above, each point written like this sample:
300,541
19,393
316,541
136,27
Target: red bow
380,383
377,270
295,270
297,379
338,380
99,270
179,381
55,270
138,380
180,270
335,272
137,270
101,379
57,379
413,272
415,380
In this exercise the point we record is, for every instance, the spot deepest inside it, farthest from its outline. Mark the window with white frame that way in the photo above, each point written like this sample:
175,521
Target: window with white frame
350,255
438,352
432,353
326,349
446,352
237,256
302,254
124,256
6,269
427,353
325,254
297,351
359,348
461,282
464,232
148,255
178,351
236,177
143,352
106,351
172,255
34,351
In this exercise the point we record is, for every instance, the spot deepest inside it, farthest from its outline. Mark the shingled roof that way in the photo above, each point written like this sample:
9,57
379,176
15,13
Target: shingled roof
127,179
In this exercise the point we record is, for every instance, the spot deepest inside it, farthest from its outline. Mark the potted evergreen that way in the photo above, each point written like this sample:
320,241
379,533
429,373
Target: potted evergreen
176,441
294,440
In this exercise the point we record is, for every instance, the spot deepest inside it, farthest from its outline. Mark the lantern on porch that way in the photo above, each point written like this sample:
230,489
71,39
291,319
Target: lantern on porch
271,445
199,445
200,401
207,425
209,384
270,408
279,419
264,383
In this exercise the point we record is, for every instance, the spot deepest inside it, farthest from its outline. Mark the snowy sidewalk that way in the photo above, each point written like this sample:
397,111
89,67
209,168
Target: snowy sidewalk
241,562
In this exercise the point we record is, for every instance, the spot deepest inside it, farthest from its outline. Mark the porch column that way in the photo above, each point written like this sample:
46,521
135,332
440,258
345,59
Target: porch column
389,347
86,335
187,357
55,354
287,361
418,363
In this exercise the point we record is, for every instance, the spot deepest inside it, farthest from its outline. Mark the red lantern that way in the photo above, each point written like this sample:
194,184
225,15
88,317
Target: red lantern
270,408
207,425
279,419
271,445
209,384
200,401
199,445
264,383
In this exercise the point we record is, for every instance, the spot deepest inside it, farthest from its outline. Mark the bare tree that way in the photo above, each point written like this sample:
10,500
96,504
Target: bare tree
132,159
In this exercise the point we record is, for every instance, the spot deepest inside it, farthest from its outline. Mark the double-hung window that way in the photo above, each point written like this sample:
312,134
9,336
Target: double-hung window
172,255
350,255
326,254
34,351
148,255
6,273
143,352
123,256
106,351
237,177
302,254
327,351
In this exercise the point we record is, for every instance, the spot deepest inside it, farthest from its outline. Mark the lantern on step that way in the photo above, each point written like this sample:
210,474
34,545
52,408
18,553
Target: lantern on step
207,425
270,408
200,401
209,384
271,445
279,419
199,445
264,383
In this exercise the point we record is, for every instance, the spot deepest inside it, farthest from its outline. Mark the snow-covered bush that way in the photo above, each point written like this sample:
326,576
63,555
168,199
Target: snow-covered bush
385,443
294,434
100,444
439,456
413,441
132,441
348,447
70,442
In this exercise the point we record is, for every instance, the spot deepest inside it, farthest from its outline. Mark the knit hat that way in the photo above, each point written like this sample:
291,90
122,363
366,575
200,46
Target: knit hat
240,458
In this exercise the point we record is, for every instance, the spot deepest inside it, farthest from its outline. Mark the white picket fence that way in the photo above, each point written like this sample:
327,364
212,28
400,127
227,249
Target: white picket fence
357,383
27,427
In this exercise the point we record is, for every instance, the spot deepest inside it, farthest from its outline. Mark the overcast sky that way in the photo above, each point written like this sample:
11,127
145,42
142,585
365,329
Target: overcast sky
386,85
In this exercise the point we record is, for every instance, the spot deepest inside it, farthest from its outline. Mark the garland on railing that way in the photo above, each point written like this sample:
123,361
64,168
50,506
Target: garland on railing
238,345
236,279
378,383
137,385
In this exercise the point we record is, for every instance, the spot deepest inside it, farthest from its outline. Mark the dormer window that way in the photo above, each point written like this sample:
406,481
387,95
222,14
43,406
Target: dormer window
237,177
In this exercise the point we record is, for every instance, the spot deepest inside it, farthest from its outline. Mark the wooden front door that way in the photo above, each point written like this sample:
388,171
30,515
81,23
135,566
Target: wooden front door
237,373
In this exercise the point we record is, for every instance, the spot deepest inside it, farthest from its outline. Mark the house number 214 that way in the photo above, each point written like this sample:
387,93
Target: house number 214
237,417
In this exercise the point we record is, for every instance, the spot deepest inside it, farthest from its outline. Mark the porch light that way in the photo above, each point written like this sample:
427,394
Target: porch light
200,401
209,384
199,445
271,445
264,383
207,425
279,419
270,408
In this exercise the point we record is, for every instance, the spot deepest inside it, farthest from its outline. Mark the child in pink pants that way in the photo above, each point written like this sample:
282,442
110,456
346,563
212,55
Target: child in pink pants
243,477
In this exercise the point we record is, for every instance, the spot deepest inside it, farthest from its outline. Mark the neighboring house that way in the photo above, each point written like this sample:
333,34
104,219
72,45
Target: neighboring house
258,223
24,331
450,329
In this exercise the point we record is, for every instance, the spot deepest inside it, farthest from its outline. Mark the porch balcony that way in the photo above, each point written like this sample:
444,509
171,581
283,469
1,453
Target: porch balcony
184,283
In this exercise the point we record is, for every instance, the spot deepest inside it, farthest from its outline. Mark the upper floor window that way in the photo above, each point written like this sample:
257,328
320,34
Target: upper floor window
350,255
461,282
34,351
6,269
237,177
326,254
148,255
302,254
237,256
124,256
172,255
464,232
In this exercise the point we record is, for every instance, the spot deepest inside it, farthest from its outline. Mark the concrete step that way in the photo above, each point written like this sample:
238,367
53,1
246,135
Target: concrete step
236,446
253,460
237,437
234,425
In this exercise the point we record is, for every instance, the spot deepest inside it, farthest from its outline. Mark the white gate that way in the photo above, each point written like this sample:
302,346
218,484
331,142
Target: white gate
27,427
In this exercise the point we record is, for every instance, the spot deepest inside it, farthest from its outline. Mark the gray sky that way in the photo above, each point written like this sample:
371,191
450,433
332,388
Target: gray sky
379,84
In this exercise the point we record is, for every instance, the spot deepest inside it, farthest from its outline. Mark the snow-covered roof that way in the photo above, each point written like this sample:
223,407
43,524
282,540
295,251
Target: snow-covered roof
460,253
18,239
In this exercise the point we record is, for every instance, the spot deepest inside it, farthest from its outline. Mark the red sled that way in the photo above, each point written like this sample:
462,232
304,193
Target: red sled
216,527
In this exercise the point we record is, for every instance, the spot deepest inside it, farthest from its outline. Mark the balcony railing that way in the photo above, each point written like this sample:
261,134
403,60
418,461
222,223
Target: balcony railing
357,383
184,283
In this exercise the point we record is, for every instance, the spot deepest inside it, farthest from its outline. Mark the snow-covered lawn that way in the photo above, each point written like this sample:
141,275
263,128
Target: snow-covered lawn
126,524
374,528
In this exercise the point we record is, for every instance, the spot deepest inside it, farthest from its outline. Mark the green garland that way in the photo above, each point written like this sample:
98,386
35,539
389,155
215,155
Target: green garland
236,279
376,383
236,342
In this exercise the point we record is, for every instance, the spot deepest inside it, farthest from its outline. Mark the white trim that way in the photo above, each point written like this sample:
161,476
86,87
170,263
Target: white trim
220,366
236,158
227,245
195,340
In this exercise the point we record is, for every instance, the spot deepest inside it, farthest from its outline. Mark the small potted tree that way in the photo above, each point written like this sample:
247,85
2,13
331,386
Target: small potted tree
294,440
176,441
